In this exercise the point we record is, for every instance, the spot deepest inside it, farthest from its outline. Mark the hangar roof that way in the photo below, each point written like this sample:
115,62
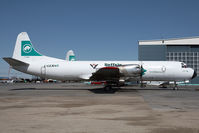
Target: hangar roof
175,41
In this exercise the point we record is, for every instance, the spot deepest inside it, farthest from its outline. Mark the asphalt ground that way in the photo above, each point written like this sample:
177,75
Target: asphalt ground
80,108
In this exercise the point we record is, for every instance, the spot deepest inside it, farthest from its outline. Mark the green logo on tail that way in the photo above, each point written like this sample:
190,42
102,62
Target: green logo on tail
28,50
71,58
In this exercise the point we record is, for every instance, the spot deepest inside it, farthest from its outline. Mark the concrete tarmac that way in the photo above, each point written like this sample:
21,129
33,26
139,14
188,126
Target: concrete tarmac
79,108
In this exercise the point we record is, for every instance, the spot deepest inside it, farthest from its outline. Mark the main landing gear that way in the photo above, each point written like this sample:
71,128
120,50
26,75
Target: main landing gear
111,86
107,87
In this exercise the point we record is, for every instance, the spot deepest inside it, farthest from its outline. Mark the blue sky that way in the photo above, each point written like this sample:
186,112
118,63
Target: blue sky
94,29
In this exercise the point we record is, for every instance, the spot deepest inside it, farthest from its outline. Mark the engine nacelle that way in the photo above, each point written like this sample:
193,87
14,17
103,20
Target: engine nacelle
131,70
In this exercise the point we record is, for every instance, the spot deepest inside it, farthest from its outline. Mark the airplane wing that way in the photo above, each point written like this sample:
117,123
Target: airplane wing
14,62
106,74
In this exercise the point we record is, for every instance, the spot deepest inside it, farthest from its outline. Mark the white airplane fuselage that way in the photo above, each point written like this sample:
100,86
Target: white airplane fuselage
59,69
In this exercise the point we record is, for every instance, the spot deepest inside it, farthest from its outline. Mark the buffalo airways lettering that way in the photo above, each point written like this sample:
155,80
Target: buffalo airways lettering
112,64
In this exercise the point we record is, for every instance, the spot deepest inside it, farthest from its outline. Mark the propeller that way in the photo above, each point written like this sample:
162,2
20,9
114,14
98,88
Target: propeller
141,74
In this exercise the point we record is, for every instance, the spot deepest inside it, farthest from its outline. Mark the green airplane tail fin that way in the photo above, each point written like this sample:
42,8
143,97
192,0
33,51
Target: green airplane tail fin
24,47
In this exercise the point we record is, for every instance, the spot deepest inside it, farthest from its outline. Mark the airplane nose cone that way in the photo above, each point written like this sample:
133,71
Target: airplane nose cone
194,74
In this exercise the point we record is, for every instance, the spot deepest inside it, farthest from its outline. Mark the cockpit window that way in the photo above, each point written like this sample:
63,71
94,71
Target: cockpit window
184,65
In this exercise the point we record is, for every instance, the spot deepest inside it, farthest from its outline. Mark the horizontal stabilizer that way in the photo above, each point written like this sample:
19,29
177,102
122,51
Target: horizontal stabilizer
14,62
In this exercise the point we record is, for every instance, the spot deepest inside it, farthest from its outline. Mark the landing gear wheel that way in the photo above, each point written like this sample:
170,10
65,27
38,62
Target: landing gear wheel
175,88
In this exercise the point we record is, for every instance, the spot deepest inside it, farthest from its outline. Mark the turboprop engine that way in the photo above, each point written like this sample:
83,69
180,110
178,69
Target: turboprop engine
131,70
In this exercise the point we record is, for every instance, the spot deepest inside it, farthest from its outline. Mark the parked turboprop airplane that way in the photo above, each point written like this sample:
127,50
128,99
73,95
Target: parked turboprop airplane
26,59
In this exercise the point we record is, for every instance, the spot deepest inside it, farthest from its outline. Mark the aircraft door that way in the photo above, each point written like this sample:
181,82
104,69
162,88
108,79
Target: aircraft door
43,71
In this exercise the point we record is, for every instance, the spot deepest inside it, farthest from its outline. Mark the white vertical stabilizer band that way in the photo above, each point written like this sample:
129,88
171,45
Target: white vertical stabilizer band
17,50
